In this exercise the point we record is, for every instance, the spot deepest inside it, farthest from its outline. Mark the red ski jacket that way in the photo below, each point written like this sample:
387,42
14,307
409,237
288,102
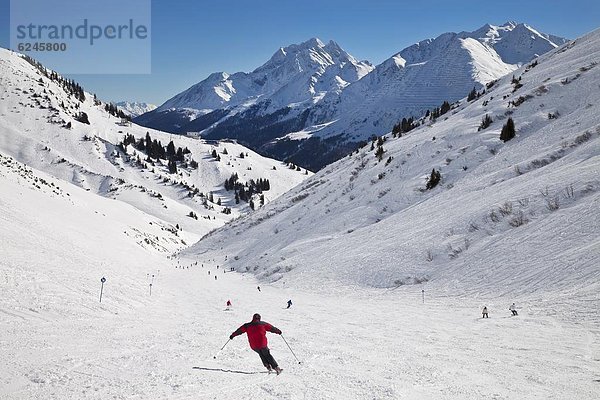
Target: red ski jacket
257,333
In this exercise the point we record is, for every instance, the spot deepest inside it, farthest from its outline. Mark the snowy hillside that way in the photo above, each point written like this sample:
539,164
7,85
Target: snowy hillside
76,140
516,219
344,109
135,108
424,75
161,321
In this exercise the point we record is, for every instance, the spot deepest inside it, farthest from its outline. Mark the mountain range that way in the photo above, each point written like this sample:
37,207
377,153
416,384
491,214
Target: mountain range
313,103
135,109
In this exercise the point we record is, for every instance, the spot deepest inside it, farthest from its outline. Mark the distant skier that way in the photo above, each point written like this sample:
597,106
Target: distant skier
228,304
257,337
485,312
289,303
513,308
258,287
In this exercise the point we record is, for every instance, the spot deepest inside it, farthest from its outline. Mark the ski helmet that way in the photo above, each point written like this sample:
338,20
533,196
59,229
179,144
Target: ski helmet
256,317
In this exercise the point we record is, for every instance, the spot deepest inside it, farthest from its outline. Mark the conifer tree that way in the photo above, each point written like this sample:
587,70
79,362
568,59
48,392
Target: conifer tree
172,165
472,95
170,150
434,179
485,122
444,108
508,130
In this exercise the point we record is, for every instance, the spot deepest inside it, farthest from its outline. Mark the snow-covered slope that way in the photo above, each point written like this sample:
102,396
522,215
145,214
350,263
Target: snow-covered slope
40,125
161,321
135,108
427,73
317,89
517,219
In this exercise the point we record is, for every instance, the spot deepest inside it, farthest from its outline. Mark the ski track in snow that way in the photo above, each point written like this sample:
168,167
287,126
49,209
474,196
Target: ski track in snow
353,344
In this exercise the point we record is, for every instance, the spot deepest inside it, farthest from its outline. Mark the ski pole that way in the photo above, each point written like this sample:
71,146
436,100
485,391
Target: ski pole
215,356
290,349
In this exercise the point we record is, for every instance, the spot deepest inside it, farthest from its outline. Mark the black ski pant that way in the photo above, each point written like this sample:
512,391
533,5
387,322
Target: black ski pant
266,357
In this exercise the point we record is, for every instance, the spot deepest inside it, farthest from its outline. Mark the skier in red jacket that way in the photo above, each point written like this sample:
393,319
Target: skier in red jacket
257,337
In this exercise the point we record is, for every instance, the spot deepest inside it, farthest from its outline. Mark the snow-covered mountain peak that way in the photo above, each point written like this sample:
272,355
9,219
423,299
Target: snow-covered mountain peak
320,88
516,43
310,43
310,54
509,24
296,74
134,108
217,76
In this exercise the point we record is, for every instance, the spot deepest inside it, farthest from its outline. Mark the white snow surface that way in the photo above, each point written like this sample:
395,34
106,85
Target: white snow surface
348,246
58,341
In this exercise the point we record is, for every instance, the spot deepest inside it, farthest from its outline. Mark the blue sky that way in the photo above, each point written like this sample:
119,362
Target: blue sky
193,38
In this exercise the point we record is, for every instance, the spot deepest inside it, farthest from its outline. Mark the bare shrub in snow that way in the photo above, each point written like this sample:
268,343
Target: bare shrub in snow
473,227
552,203
506,208
454,252
429,255
518,219
300,197
584,137
494,217
517,170
569,192
541,90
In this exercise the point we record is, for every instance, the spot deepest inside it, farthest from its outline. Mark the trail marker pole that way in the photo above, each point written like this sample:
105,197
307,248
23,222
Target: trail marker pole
102,287
150,289
423,293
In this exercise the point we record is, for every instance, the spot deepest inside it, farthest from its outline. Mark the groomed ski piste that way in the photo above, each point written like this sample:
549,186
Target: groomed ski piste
361,326
59,342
